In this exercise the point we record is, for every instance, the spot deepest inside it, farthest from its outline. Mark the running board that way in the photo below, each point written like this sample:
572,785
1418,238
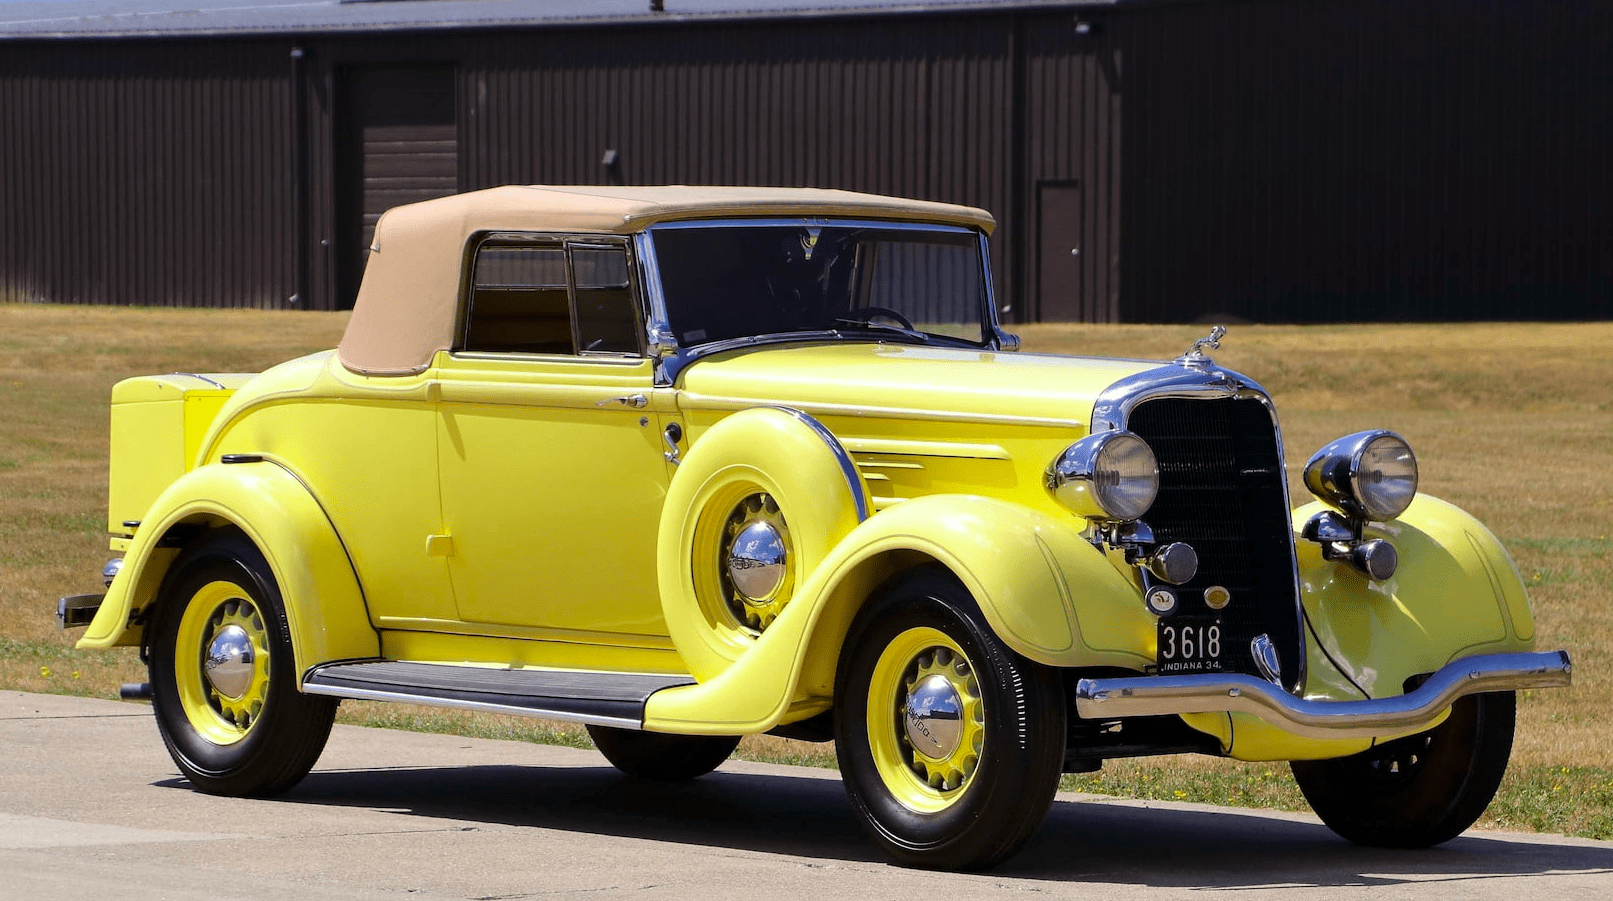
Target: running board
604,699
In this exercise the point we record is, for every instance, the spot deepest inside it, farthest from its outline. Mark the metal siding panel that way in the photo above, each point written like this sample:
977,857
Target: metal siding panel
1282,161
155,146
1070,121
1374,160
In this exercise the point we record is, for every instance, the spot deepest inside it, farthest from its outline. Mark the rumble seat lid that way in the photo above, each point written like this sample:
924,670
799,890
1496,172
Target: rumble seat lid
408,303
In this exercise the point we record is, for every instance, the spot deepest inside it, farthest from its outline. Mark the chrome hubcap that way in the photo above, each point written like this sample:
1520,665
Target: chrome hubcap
229,666
934,717
756,561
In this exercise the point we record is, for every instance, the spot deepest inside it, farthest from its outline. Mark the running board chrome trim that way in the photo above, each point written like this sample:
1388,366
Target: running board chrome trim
1107,699
597,698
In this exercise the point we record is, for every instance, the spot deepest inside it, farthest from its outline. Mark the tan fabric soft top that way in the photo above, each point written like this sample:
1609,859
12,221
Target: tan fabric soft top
407,304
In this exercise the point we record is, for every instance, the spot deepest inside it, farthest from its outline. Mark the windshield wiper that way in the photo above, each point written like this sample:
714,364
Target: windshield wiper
885,327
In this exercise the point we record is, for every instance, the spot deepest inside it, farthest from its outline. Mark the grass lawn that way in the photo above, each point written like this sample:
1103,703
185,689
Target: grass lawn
1513,422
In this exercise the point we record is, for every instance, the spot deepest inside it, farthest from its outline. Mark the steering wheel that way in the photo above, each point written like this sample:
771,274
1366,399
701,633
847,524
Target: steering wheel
869,314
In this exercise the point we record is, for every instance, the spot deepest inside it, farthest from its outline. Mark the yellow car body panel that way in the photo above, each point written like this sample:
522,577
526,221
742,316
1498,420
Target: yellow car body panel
379,489
158,424
1455,594
324,601
1026,570
935,385
542,462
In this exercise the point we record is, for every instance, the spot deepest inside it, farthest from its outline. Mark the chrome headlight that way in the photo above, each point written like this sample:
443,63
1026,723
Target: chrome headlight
1107,475
1372,475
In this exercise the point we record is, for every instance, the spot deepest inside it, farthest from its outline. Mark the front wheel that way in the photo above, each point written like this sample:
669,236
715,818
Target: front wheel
223,678
950,744
1418,791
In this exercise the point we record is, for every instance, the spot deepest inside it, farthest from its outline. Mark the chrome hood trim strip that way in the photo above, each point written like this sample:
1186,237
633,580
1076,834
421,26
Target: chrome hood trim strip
1104,699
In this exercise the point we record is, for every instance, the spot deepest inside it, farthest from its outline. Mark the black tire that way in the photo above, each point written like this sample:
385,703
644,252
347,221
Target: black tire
1418,791
987,774
263,740
660,756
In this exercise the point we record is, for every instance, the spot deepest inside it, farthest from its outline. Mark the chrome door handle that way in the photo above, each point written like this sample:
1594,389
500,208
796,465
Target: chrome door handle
632,400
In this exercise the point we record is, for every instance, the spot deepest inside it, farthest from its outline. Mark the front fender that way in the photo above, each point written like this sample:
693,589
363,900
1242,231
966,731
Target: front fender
1455,594
1043,589
324,601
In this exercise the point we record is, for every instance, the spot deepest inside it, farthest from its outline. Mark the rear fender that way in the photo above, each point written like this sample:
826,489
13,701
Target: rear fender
324,601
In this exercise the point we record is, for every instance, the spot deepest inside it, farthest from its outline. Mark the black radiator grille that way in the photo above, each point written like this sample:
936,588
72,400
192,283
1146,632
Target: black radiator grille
1221,490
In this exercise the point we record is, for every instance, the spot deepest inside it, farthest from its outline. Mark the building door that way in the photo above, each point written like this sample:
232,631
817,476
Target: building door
398,144
1060,263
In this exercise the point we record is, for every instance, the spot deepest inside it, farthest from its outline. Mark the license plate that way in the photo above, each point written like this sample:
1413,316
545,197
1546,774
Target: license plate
1189,645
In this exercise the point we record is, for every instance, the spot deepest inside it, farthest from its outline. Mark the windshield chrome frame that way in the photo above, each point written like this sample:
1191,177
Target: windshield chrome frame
671,357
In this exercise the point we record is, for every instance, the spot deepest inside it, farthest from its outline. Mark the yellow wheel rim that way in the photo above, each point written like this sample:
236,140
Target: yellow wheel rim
926,719
730,512
225,700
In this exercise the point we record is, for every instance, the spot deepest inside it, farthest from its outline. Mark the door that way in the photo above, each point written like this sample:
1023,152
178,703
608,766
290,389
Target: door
398,144
1060,263
552,459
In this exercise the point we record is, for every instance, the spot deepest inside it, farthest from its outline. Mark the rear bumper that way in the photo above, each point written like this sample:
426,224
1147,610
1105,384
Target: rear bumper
77,610
1211,693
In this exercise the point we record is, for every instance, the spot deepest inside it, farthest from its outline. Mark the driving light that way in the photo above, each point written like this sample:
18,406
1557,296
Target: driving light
1372,475
1107,475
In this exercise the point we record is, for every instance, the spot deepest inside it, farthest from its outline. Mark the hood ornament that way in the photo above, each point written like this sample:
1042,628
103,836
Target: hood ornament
1195,355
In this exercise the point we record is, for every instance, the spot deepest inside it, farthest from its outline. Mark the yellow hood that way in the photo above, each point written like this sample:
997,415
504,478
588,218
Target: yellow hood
896,378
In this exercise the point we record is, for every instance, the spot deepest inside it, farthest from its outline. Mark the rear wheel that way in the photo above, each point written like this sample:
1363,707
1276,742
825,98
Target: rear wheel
1418,791
223,678
661,756
950,744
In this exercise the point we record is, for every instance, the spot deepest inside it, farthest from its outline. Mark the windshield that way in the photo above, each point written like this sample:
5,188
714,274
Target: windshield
742,280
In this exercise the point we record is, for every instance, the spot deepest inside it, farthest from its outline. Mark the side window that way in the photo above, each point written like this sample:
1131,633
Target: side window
560,298
606,320
518,301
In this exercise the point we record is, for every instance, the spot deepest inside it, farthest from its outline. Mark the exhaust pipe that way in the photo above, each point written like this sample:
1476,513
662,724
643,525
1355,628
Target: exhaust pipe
135,691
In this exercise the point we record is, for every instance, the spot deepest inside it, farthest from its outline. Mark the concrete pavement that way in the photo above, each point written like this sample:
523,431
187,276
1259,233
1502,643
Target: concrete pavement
92,808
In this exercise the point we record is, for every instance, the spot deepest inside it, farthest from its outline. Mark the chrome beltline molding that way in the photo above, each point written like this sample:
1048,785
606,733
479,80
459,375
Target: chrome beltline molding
1104,699
715,402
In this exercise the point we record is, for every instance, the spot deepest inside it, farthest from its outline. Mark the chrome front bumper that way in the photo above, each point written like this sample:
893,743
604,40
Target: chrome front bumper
1104,699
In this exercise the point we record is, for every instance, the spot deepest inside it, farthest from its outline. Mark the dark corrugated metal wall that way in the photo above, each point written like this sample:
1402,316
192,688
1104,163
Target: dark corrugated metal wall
398,143
911,107
1326,160
135,174
1072,93
1370,160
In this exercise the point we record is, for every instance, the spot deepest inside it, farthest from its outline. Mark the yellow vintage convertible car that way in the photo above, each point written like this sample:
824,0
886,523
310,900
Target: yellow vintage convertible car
688,464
